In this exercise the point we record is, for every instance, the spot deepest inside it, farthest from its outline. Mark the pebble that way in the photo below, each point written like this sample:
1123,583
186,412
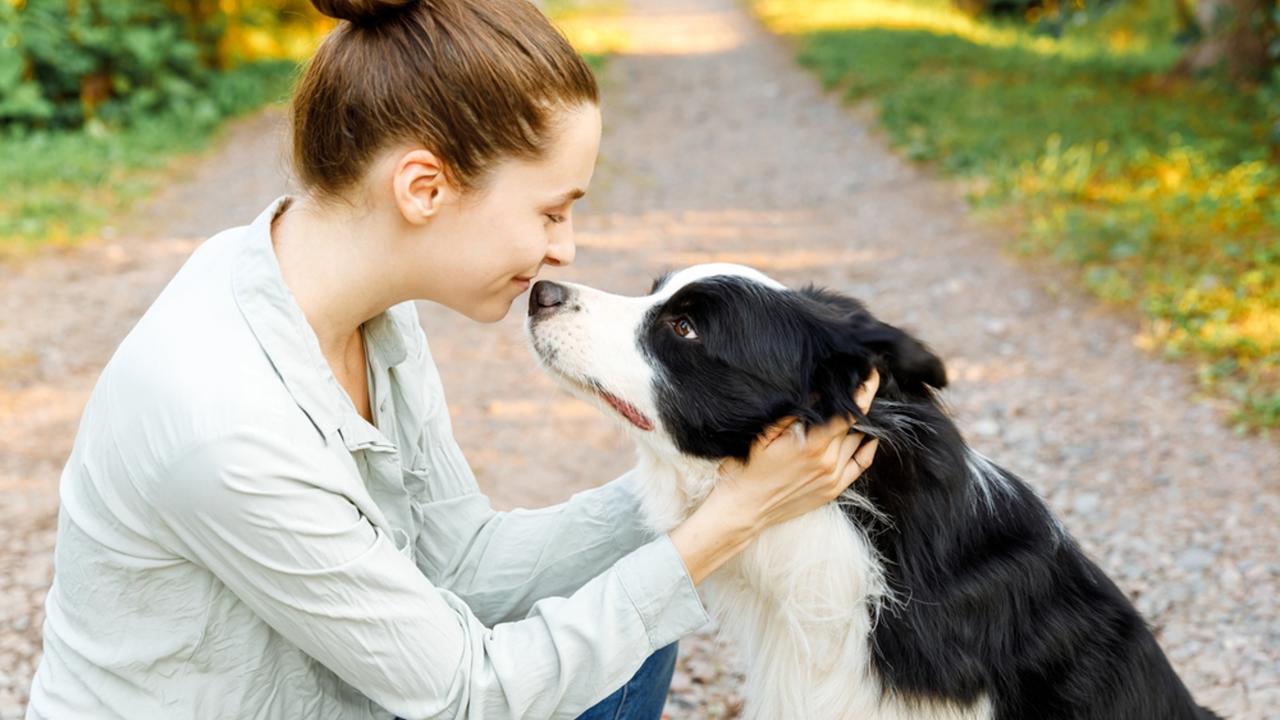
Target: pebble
1195,559
986,427
1086,503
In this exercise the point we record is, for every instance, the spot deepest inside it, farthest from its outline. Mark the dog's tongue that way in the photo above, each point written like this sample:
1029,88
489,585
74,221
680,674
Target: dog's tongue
636,417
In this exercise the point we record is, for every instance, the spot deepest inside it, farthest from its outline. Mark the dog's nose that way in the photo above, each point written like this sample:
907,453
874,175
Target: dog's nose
545,297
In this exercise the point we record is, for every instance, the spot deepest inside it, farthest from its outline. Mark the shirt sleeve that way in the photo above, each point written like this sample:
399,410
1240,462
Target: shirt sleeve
266,515
501,563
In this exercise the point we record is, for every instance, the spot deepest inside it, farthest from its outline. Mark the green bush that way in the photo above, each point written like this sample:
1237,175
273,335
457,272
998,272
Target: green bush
63,63
98,96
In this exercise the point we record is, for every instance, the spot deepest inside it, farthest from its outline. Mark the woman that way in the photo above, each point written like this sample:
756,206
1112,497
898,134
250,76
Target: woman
266,515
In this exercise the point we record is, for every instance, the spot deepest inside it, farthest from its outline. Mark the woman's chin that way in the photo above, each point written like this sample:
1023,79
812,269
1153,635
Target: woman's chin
492,312
488,310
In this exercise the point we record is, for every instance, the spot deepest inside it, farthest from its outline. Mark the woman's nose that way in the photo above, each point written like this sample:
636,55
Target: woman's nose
561,250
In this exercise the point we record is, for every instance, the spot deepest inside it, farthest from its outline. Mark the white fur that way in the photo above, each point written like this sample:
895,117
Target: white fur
987,479
800,602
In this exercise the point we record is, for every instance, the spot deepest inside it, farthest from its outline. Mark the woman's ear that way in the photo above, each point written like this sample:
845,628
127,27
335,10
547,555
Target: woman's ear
420,185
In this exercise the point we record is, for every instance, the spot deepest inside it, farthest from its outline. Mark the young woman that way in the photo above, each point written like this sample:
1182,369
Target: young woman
265,514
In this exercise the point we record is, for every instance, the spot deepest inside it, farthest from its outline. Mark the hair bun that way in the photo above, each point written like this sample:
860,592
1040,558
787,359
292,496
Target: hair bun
360,12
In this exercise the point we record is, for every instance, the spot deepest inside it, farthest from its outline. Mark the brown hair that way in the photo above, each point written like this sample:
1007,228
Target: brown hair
474,81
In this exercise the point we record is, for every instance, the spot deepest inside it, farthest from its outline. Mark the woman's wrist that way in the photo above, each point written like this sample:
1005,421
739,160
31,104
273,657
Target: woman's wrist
712,535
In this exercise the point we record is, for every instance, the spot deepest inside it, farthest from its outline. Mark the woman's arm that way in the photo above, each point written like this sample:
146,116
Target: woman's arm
264,512
501,563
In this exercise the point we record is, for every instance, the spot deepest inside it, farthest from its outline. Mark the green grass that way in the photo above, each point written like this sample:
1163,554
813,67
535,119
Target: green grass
58,187
1161,193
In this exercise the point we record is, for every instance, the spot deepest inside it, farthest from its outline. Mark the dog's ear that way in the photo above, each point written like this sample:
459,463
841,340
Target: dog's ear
907,360
855,341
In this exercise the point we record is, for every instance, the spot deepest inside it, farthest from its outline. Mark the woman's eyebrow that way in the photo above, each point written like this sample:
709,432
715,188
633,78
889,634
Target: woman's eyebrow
573,194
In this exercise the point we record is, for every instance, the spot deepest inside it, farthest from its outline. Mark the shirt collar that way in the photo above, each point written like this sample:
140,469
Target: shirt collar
290,343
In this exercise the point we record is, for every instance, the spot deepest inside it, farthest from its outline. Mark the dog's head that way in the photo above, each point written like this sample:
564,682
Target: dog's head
715,353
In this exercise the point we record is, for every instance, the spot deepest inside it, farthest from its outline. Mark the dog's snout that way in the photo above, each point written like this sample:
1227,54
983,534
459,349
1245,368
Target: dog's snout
546,297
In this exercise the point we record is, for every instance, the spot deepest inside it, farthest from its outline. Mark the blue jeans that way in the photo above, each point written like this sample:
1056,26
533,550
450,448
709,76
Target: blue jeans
644,695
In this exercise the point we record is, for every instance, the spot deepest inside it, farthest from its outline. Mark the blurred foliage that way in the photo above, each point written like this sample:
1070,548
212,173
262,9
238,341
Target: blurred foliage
1237,38
98,97
1046,16
64,63
1163,190
60,63
58,186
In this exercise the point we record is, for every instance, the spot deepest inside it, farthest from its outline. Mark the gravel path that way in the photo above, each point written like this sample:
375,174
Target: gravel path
717,148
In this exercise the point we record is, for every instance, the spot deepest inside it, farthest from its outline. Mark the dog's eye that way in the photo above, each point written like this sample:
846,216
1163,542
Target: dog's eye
684,328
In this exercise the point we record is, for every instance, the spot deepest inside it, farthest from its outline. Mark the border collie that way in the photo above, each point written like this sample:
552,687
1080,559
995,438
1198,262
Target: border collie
939,586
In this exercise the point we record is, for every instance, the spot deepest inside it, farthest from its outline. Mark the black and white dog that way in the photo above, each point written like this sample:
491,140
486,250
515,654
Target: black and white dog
939,586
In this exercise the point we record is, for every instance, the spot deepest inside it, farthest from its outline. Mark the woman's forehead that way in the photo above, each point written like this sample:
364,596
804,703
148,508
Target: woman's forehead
563,173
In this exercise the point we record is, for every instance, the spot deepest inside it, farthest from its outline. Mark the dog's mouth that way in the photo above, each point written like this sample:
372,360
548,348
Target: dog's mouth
624,408
547,356
627,410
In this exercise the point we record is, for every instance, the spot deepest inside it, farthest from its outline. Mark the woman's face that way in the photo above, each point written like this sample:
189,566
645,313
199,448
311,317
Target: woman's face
486,246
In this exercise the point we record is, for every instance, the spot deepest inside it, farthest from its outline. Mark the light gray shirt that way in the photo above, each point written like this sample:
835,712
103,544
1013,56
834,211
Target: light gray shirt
236,541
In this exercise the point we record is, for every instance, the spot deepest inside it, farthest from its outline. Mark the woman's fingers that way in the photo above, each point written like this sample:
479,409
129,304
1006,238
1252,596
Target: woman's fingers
867,391
859,464
774,431
822,439
841,426
839,451
866,453
848,446
827,440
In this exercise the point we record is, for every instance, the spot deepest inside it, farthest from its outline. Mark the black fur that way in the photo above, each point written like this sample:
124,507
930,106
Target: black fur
994,598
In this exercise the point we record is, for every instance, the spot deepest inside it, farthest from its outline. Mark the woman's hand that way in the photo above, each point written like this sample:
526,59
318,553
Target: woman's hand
785,476
788,475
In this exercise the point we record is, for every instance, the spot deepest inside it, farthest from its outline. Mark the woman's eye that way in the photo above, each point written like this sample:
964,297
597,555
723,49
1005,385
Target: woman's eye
684,328
555,218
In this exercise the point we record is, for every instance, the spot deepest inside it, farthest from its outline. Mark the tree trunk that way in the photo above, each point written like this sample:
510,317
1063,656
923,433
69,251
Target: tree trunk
1236,34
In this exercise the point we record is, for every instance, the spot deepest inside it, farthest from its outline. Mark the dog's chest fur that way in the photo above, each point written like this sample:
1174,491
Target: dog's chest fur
798,605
